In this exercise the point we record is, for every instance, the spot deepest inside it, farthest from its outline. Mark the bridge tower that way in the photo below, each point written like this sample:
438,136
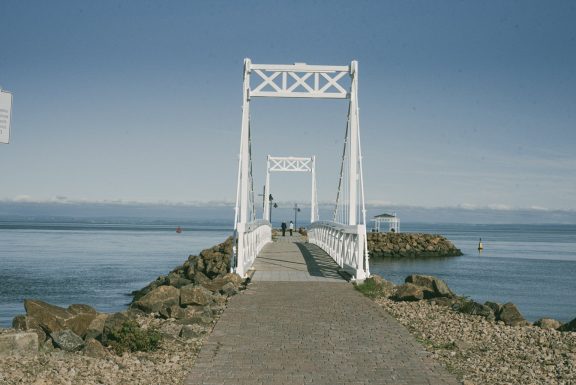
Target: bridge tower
291,164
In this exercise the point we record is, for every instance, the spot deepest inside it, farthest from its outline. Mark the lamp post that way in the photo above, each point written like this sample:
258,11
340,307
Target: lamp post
296,210
275,205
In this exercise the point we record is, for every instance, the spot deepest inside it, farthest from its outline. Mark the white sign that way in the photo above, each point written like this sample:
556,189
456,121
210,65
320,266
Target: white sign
5,111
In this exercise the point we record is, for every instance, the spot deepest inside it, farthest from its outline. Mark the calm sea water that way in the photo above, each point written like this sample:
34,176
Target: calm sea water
101,263
533,266
96,264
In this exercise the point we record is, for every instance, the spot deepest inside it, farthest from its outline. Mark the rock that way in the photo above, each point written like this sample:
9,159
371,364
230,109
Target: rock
94,349
229,289
201,278
548,323
51,318
435,286
113,324
178,281
215,284
474,308
496,307
382,287
46,346
408,292
409,245
54,318
25,323
67,340
511,316
170,329
234,278
96,327
192,331
159,298
81,309
18,343
442,301
198,315
174,311
219,299
568,327
195,295
80,322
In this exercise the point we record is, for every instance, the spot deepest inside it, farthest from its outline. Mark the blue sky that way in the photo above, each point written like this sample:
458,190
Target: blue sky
467,104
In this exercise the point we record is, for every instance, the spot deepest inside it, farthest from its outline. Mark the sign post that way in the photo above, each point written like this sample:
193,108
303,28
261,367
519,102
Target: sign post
5,112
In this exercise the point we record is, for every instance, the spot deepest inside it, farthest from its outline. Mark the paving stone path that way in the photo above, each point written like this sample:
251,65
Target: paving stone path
310,332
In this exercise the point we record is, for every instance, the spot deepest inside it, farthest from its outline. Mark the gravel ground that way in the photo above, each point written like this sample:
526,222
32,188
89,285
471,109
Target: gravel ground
485,352
168,365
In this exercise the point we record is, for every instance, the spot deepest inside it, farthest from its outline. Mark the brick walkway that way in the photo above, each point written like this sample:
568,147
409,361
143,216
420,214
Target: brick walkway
291,259
311,333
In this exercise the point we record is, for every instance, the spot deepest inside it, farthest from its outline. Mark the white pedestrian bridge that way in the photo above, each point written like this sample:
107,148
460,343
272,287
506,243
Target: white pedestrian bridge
343,237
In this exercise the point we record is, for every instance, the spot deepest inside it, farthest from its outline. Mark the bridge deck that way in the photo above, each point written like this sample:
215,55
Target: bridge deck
290,258
309,333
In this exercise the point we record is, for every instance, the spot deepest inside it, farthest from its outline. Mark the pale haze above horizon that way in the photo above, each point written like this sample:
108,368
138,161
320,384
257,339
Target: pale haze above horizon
467,104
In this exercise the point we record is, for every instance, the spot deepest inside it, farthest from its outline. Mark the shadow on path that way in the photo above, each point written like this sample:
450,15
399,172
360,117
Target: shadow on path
318,262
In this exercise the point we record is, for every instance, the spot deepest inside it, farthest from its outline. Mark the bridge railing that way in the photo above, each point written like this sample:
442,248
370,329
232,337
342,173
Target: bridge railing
346,244
251,238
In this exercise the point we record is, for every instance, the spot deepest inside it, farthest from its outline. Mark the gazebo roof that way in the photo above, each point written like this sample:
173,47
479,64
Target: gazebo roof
385,216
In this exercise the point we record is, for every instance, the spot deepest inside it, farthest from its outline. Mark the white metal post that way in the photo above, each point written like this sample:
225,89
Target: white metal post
266,214
313,204
353,143
244,140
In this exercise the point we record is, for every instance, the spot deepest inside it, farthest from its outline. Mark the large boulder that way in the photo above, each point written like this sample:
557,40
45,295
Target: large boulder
67,340
96,327
234,278
195,295
569,326
50,317
435,287
474,308
548,323
174,311
408,292
158,299
376,286
229,289
18,343
511,316
25,323
214,285
82,316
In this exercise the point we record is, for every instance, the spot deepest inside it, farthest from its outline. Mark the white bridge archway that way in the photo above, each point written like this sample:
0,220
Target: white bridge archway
344,238
291,164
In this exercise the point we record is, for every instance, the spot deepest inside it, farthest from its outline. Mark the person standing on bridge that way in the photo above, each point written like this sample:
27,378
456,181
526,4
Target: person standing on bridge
283,229
291,227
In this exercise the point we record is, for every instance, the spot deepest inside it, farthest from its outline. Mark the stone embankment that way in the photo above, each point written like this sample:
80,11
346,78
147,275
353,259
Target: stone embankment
410,245
155,341
486,343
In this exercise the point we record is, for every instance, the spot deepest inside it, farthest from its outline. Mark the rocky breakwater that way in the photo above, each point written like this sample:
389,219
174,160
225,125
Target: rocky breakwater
487,343
154,341
410,245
